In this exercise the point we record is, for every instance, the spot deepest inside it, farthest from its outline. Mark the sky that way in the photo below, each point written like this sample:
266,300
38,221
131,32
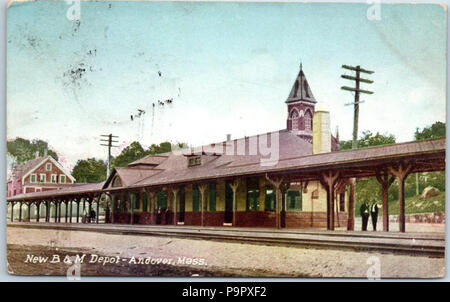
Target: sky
227,67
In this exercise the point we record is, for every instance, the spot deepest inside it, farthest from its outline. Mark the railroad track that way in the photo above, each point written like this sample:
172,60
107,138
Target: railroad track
416,245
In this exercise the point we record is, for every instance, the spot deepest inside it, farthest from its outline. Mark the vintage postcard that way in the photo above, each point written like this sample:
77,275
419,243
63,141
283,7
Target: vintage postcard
226,139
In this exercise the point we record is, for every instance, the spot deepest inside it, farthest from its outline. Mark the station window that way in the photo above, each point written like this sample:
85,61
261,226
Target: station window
195,199
270,199
194,161
53,178
48,167
161,199
116,182
294,200
42,177
252,194
135,201
342,202
62,179
33,178
212,196
144,202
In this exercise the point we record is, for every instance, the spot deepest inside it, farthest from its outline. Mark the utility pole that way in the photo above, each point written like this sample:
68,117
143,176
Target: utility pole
110,142
357,90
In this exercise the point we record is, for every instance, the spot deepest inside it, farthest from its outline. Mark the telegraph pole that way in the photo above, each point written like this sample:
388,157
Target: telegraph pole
110,142
357,90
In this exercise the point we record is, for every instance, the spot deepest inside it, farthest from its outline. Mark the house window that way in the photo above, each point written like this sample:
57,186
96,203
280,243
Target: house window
53,178
270,199
195,199
294,200
48,167
212,196
161,200
42,177
33,178
194,161
62,179
252,194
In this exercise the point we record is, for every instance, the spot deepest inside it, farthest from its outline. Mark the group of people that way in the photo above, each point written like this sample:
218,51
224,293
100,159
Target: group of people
369,209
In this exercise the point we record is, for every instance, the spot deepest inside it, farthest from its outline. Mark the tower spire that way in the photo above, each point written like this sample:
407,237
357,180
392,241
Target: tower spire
300,106
301,92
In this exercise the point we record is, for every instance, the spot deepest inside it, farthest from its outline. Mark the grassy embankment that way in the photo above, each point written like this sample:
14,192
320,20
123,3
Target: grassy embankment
413,205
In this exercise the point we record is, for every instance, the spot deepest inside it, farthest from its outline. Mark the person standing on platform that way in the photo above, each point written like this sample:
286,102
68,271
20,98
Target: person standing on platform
364,211
374,214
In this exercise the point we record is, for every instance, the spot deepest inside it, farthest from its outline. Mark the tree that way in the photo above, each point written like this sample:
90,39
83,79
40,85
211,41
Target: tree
434,131
161,148
130,154
23,150
135,151
89,171
435,179
368,139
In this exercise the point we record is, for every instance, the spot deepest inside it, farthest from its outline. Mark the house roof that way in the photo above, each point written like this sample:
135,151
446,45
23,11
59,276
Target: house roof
20,170
40,162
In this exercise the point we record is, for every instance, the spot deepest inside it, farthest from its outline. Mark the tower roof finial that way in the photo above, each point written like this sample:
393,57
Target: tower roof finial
301,66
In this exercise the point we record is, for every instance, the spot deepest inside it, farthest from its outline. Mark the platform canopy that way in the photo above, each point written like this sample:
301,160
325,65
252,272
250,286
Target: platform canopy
421,156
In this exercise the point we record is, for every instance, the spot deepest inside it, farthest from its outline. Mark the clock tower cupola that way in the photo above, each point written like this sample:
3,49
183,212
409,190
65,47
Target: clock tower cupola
300,105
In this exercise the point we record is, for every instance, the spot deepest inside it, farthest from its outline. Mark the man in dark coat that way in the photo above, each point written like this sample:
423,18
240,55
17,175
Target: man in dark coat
374,214
364,211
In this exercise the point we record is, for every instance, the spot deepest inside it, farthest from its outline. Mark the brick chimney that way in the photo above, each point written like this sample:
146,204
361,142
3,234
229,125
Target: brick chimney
321,132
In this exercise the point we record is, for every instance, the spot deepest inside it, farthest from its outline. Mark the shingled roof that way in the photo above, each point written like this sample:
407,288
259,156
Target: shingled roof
300,90
175,169
20,170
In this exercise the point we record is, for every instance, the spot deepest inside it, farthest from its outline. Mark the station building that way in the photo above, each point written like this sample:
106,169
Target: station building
304,203
292,178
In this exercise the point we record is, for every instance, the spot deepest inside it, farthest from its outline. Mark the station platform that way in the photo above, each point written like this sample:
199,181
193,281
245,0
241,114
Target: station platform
411,243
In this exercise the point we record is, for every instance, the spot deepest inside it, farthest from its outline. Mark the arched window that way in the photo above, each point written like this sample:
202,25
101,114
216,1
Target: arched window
294,119
308,121
294,113
116,182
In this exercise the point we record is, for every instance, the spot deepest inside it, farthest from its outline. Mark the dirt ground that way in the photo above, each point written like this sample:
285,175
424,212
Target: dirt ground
163,256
